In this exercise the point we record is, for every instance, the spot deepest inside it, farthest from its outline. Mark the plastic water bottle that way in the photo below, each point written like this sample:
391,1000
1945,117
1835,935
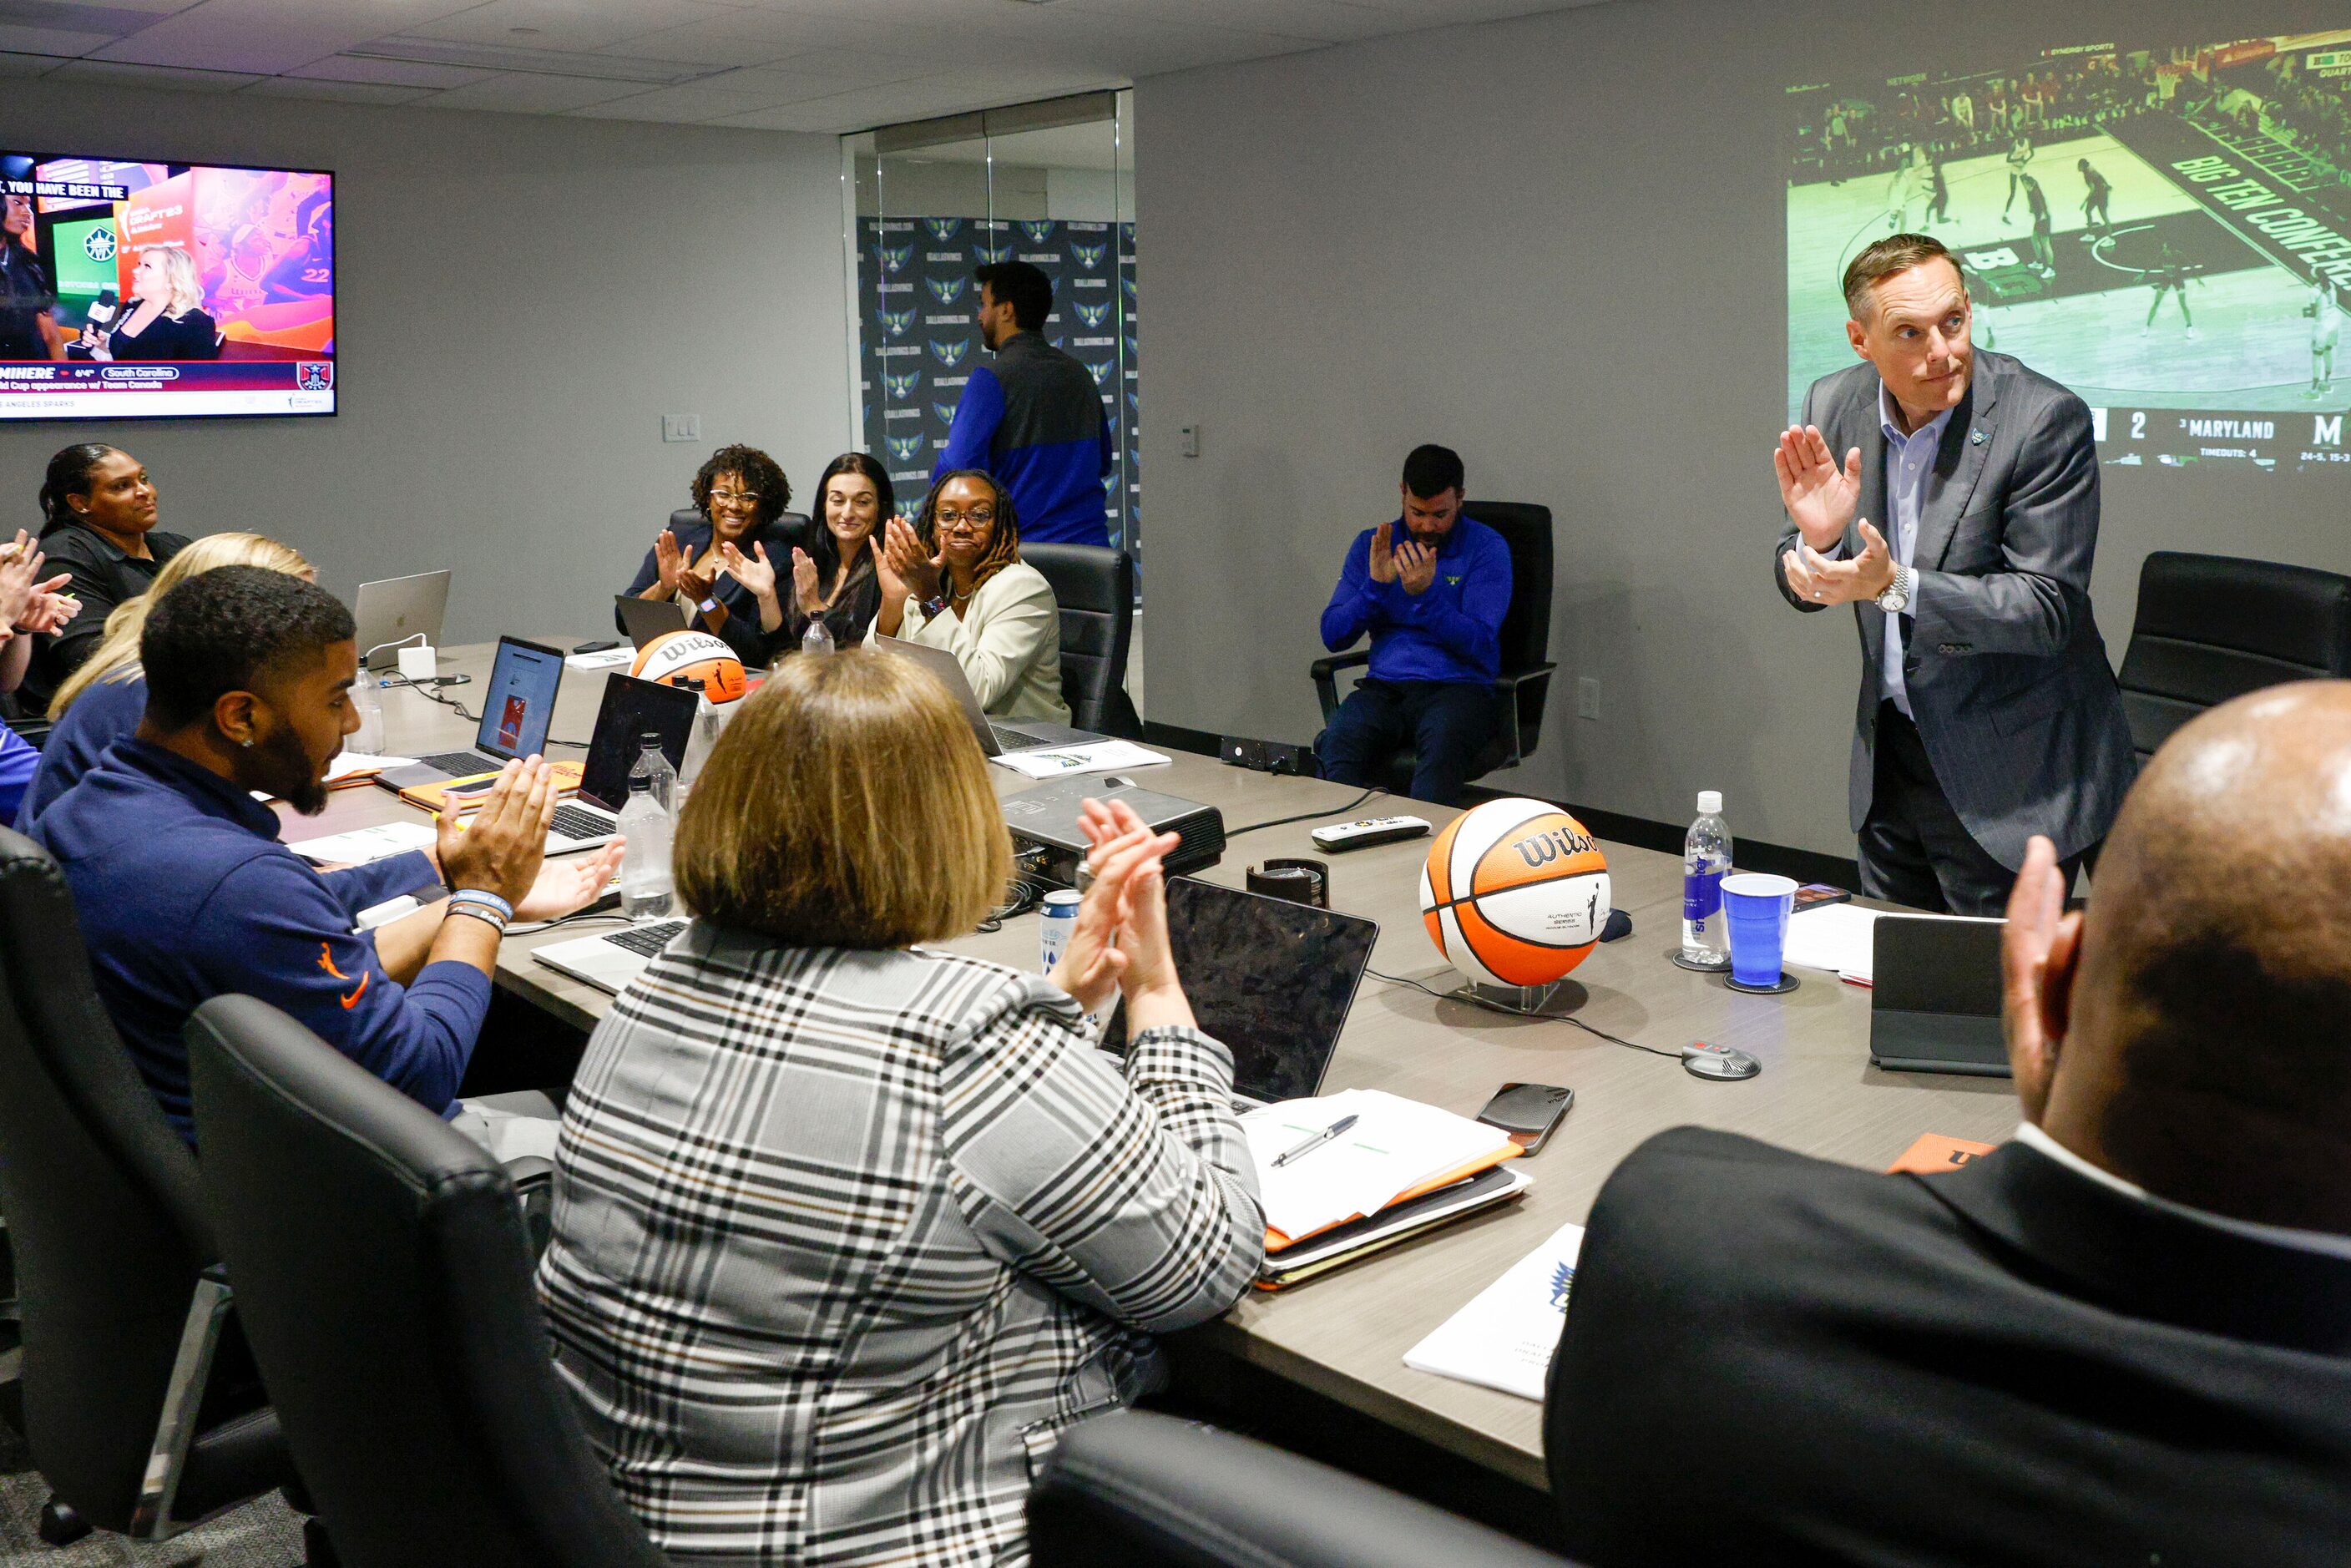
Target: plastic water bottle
1060,918
367,697
646,824
819,639
1706,860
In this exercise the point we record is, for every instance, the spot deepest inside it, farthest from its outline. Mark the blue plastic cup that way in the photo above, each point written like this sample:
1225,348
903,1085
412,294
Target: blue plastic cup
1755,905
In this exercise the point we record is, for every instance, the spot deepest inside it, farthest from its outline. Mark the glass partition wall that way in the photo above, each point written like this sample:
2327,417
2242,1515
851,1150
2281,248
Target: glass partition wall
1049,183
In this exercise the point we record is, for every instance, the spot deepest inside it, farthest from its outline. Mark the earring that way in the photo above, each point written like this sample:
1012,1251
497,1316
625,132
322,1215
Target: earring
246,743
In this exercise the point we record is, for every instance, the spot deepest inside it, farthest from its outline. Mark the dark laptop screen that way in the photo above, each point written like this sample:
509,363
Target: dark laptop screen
1271,978
633,708
521,702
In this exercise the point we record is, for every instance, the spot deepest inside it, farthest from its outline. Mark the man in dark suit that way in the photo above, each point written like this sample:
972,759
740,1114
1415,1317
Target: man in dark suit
2123,1337
1987,710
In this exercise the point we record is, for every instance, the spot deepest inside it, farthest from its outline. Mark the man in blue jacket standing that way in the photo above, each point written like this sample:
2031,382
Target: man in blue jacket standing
1432,603
1033,418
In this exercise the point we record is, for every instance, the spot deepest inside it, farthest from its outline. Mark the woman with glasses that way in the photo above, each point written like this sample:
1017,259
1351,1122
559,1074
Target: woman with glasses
832,579
955,579
741,493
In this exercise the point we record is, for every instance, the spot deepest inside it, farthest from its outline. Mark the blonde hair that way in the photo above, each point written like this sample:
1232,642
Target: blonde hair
179,272
846,806
116,657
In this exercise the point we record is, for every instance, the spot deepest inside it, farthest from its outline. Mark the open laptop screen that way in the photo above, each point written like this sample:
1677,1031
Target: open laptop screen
631,709
1272,979
519,703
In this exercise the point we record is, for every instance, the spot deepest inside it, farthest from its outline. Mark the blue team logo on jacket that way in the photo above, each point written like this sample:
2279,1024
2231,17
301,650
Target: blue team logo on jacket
991,254
1102,372
903,448
947,290
896,322
1089,256
900,384
894,257
944,228
946,411
1038,233
1093,315
950,354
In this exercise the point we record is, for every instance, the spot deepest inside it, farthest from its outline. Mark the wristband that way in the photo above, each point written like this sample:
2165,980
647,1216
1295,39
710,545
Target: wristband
480,897
482,912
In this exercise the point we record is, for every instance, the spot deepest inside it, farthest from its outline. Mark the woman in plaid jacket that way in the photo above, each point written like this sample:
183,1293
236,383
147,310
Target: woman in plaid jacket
848,1229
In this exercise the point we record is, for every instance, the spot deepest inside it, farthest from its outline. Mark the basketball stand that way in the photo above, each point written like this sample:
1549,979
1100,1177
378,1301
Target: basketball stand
1532,1001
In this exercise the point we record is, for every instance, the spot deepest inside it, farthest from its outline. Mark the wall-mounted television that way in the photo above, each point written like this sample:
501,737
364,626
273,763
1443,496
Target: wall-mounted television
132,290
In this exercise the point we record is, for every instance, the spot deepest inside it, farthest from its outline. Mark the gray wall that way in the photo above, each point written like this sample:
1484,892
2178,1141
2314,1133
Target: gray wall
521,300
1558,245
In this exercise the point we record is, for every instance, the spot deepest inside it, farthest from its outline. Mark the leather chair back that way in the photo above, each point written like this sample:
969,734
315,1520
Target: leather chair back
108,1223
792,525
1525,639
384,1277
1095,589
2212,627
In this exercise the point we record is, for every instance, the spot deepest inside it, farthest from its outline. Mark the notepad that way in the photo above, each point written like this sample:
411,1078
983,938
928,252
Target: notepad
362,845
1505,1337
1062,761
1835,937
1397,1149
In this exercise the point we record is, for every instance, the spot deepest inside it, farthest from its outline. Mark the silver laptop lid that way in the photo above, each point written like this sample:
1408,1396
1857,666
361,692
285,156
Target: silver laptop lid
949,671
397,609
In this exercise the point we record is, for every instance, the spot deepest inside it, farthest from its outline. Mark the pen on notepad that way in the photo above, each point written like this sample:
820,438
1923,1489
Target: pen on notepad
1314,1142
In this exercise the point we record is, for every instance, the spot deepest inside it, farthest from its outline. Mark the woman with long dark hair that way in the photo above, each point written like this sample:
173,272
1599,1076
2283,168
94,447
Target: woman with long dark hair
832,579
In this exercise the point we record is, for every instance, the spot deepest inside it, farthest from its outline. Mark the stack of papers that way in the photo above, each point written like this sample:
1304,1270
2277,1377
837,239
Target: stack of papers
1060,761
1397,1149
362,845
1343,1244
604,659
357,766
1837,938
1504,1338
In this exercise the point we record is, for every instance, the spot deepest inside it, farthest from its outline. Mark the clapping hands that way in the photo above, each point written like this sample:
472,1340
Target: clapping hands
1120,941
28,603
1409,562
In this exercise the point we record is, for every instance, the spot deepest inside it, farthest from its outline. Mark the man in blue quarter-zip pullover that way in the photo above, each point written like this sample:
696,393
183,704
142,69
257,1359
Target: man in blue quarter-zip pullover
1033,418
1433,602
184,893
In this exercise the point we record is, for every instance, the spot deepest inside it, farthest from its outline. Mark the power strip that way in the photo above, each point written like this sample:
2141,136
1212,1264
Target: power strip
1268,756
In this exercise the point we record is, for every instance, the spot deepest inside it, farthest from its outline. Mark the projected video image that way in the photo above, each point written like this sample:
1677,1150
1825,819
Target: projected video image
2166,231
132,290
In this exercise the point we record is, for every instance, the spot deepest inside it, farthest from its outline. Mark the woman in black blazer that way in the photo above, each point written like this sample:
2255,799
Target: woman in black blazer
166,318
741,492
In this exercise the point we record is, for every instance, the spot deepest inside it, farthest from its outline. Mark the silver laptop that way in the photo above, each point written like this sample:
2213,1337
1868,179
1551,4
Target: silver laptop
395,610
632,710
647,619
612,959
997,736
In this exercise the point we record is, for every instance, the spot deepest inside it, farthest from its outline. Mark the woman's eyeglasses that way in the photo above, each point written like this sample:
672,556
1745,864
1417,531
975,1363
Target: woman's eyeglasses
733,497
961,522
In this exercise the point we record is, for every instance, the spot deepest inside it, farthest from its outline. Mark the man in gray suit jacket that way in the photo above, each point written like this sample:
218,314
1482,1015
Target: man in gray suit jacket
1988,711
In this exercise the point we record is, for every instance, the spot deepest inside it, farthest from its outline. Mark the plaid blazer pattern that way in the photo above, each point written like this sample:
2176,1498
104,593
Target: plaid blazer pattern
842,1240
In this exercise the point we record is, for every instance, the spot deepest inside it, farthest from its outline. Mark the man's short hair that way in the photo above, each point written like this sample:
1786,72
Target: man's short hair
1894,252
228,630
1023,287
1432,470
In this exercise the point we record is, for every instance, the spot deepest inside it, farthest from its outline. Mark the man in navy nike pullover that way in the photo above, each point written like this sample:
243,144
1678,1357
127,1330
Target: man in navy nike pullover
1033,418
1433,600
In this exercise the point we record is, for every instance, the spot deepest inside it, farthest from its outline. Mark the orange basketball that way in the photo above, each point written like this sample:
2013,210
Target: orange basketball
1514,893
691,655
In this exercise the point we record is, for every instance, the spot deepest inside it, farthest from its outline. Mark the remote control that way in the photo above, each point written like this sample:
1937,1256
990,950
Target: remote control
1369,832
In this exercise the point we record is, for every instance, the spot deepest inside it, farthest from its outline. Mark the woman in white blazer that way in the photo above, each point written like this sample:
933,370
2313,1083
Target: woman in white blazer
955,579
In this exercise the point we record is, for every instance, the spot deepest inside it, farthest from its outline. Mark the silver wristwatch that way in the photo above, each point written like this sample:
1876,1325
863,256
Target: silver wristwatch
1897,597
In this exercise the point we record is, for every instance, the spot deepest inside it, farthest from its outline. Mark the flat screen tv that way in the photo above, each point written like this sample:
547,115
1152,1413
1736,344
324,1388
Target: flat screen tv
132,290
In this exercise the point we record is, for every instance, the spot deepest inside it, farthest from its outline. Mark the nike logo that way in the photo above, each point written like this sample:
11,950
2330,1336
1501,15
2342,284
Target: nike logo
327,962
353,1000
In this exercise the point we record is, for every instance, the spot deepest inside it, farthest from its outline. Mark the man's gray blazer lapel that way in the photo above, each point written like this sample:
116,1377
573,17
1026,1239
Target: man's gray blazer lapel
1959,460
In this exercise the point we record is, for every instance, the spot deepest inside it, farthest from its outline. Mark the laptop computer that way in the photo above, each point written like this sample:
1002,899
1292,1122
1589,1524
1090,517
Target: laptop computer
997,736
632,710
517,704
612,960
395,610
1934,1001
647,619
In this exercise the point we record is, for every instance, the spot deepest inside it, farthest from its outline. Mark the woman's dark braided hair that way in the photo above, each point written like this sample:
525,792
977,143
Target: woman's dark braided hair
759,470
71,472
1003,546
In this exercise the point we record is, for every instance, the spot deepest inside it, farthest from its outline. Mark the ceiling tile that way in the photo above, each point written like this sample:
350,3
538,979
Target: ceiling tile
689,105
16,65
267,36
389,73
736,39
57,41
334,91
122,75
514,92
586,24
1325,21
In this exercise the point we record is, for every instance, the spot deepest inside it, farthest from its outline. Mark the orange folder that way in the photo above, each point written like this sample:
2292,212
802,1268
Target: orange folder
430,797
1933,1152
1275,1240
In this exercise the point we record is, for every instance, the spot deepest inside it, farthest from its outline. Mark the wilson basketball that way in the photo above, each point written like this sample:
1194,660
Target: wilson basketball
1514,893
691,655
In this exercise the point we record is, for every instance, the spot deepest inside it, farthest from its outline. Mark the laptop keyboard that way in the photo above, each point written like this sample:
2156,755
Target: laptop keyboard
577,822
646,939
460,764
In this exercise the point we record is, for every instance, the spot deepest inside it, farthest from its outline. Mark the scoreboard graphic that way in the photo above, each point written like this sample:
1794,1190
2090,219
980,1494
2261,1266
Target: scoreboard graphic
918,335
2165,229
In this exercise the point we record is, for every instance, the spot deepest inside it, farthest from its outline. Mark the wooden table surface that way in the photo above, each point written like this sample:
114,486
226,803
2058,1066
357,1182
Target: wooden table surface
1344,1333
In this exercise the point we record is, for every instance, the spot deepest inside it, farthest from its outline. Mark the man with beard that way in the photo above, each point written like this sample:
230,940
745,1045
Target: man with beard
184,892
1433,603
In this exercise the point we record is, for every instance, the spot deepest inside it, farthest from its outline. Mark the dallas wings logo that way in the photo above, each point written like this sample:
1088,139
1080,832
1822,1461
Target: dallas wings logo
901,385
894,257
896,322
947,290
1089,256
1101,372
943,229
1127,284
991,253
1093,315
903,447
946,411
950,354
1038,233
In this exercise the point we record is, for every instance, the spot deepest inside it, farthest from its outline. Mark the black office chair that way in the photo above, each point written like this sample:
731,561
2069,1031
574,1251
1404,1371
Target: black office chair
1146,1490
794,527
384,1279
124,1311
2212,627
1525,643
1095,587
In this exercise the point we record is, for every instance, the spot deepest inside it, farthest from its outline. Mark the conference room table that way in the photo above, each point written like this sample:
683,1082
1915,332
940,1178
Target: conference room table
1344,1333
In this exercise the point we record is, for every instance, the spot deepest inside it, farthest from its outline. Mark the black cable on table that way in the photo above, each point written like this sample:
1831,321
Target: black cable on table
1476,1000
1232,833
